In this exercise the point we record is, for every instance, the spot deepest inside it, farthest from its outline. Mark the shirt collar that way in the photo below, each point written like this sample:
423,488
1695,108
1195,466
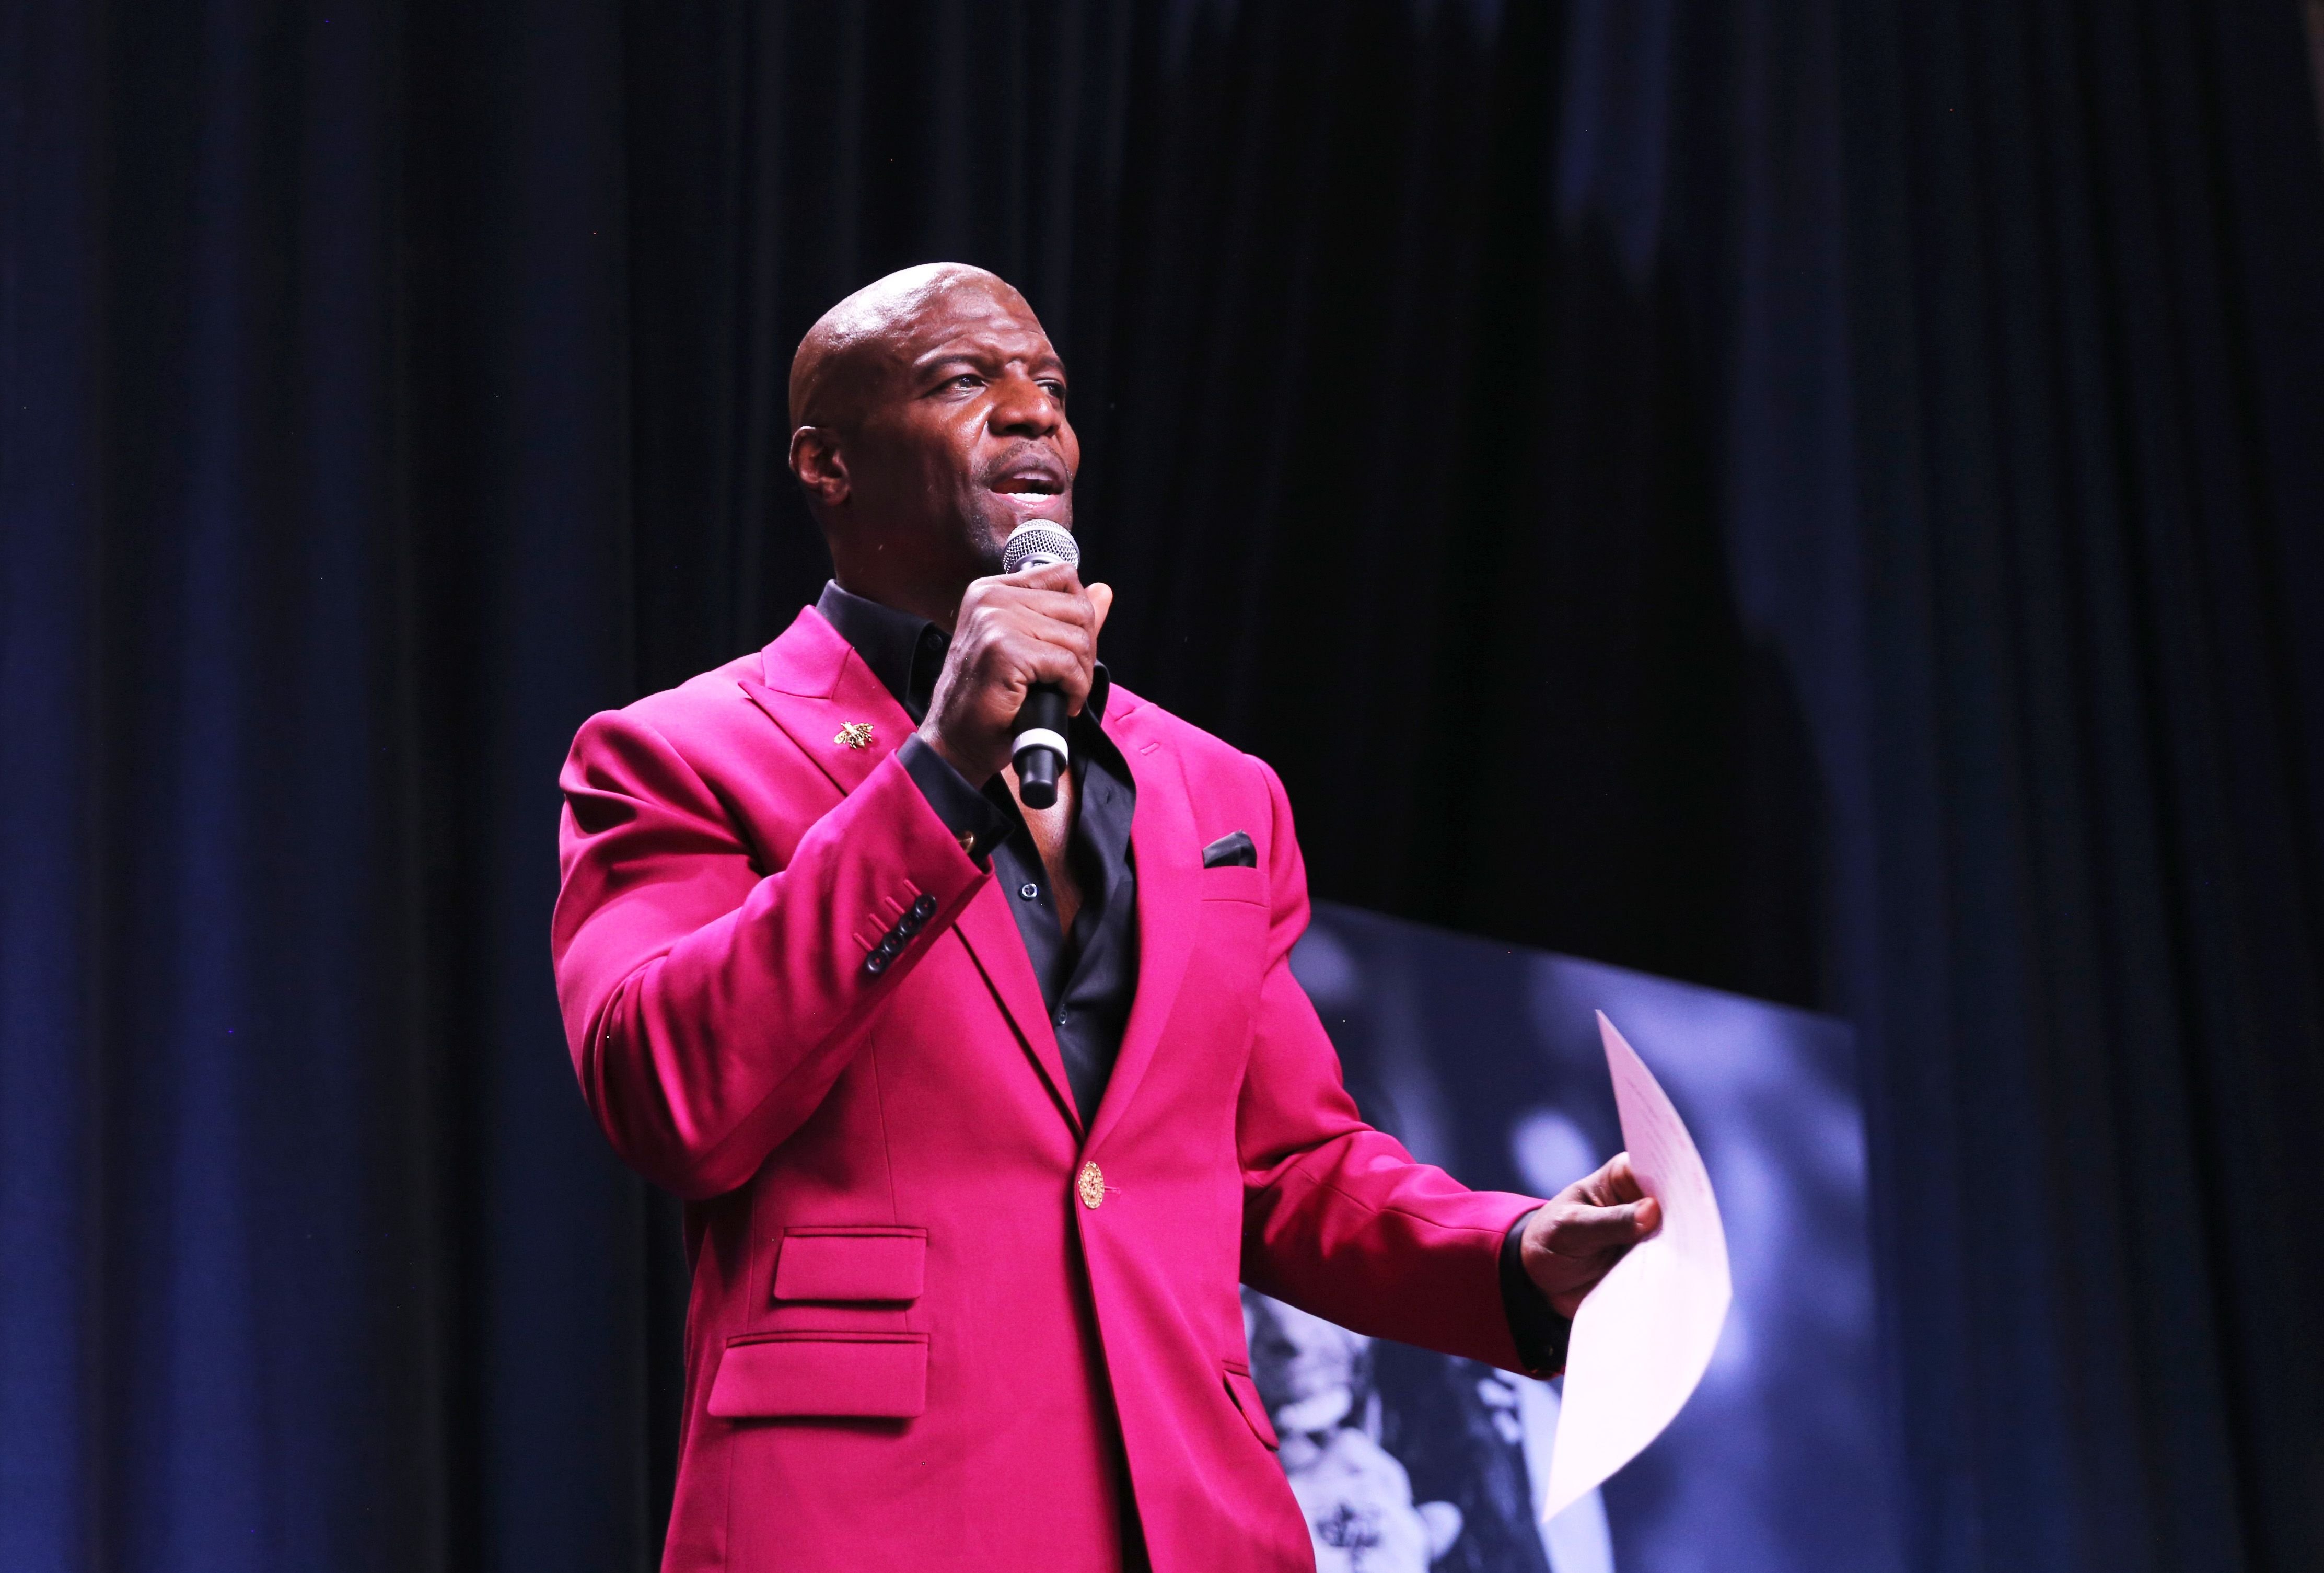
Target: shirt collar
905,651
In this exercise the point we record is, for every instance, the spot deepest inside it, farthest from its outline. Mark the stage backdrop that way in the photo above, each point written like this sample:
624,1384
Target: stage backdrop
1485,1058
1819,498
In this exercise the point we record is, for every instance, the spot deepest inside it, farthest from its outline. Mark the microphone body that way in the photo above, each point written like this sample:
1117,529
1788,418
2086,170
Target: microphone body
1038,750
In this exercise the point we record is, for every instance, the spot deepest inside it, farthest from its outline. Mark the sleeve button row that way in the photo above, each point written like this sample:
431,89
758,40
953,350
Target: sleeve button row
891,945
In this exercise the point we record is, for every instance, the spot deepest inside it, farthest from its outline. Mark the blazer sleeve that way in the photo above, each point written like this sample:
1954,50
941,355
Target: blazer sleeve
1338,1219
710,1005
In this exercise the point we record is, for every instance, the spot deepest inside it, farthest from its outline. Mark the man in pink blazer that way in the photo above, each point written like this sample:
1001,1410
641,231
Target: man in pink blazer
981,1113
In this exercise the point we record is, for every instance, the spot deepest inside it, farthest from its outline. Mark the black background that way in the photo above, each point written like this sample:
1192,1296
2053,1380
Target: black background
1817,499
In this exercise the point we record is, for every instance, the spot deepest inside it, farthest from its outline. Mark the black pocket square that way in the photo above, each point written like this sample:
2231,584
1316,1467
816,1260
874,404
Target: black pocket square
1232,850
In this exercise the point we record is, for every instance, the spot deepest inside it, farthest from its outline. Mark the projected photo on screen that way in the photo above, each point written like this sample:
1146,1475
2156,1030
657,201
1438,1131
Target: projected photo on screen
1485,1058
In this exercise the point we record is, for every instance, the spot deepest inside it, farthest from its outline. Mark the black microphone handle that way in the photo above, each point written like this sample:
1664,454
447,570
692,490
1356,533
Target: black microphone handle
1039,752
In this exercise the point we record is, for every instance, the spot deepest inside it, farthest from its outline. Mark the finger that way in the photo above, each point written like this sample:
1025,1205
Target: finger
1576,1230
1037,660
1614,1183
1100,603
1074,638
1068,605
1048,575
1005,638
1052,653
1052,592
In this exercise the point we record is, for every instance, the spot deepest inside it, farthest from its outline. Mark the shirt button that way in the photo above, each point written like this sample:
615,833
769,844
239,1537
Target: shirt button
1028,890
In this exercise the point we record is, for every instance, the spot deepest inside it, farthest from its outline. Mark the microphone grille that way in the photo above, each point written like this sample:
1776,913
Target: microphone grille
1037,543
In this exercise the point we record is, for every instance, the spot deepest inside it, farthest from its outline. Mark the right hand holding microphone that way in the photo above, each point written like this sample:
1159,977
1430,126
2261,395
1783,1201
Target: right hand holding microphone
1038,626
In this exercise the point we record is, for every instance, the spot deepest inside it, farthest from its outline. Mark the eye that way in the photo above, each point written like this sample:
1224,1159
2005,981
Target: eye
966,383
1057,390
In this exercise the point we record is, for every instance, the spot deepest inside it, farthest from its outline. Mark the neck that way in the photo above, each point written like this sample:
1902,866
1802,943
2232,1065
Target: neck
939,604
893,574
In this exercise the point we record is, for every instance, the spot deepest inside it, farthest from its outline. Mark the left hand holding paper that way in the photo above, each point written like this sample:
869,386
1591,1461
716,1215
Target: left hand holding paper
1574,1241
1643,1340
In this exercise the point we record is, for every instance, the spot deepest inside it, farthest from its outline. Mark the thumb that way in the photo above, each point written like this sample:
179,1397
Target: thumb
1100,603
1578,1229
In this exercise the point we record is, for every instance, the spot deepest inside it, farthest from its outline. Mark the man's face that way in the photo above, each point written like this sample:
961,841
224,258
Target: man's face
964,436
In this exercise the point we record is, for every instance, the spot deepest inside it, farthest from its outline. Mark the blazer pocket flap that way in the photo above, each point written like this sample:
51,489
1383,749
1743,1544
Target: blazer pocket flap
1232,882
1245,1394
840,1376
851,1264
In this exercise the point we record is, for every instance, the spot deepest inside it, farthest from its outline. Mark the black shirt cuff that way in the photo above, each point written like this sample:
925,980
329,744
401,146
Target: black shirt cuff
975,822
1541,1334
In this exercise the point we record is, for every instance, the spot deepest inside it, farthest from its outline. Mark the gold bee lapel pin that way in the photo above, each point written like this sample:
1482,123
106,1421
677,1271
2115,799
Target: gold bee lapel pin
856,734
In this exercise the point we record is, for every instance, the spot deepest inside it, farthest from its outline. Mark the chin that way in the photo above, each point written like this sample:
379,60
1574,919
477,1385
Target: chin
989,534
986,538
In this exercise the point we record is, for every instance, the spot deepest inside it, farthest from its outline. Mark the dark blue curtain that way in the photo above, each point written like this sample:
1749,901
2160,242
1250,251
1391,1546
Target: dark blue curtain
1842,484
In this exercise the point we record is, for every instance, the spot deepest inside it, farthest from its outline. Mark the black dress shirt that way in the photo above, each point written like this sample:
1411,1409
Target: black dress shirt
1089,977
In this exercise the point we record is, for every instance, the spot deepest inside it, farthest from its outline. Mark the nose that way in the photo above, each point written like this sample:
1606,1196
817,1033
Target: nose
1021,407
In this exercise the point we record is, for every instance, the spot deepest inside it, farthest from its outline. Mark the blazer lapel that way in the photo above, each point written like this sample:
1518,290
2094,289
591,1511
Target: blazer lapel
820,692
1169,889
989,928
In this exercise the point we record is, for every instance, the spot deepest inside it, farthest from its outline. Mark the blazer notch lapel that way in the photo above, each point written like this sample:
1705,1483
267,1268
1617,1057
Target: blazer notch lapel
826,700
989,928
1162,838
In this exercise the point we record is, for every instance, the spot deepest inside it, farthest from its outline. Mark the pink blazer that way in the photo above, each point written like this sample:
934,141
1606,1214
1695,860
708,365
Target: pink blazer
930,1311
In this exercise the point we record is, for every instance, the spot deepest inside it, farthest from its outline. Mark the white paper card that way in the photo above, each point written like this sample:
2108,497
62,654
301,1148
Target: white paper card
1643,1337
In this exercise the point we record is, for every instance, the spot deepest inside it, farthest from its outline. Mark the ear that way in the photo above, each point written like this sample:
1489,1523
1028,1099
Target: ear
817,462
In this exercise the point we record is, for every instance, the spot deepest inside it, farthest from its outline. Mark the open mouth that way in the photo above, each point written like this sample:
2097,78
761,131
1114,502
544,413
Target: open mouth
1031,488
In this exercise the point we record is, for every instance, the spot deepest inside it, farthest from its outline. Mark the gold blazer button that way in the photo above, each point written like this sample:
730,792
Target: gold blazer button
1091,1183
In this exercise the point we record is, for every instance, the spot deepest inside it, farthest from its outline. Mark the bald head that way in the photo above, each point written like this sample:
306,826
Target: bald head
861,343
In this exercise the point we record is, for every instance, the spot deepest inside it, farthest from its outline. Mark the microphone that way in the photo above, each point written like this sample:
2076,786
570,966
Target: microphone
1038,750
